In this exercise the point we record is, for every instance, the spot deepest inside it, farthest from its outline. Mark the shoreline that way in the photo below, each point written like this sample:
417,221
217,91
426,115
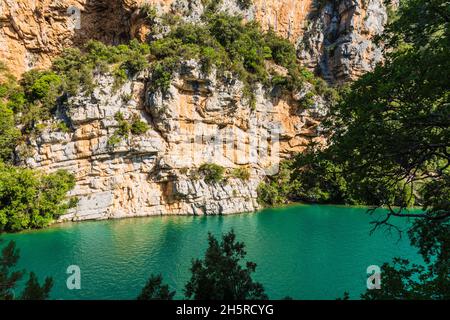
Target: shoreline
63,223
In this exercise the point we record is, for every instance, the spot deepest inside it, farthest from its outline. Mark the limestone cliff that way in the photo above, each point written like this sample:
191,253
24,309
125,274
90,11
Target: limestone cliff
333,36
199,119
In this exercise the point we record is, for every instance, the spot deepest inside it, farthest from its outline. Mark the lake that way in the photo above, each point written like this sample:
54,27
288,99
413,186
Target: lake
302,251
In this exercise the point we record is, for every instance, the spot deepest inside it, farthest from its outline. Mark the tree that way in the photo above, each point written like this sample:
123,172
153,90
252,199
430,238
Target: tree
156,290
31,199
34,291
9,133
220,275
9,279
391,135
392,131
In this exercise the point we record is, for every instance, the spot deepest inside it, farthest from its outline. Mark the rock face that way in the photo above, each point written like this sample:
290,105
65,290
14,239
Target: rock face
333,36
338,42
199,119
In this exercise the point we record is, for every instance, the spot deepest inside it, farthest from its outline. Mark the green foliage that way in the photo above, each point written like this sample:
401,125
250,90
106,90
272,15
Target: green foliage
282,51
211,6
149,12
34,291
392,129
9,279
78,68
244,4
390,132
221,276
42,86
156,290
138,126
127,97
30,199
280,188
228,44
212,172
62,126
320,179
114,140
124,128
428,281
9,134
11,93
38,93
242,173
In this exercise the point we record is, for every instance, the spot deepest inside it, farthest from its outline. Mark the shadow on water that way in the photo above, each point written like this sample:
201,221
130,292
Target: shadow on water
306,252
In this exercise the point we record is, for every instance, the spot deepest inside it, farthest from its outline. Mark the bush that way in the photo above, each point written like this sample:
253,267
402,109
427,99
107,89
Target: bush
156,290
280,188
242,173
228,44
9,134
31,199
149,12
212,172
138,126
42,87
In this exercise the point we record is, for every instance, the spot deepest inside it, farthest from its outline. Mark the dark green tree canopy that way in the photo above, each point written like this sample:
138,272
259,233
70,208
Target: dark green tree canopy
9,278
156,290
220,275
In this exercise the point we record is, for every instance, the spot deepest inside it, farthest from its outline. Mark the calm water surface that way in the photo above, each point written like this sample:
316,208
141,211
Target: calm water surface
306,252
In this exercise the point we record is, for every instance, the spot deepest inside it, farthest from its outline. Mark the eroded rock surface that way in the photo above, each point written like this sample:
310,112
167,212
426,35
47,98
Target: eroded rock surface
335,37
199,119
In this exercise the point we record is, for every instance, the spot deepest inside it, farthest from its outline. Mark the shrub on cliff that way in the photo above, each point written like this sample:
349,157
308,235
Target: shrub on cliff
30,199
78,68
212,172
9,278
138,126
42,87
280,188
242,173
9,133
228,44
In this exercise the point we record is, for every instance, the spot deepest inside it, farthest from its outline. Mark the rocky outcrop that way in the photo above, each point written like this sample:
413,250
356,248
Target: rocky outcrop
338,41
335,37
199,119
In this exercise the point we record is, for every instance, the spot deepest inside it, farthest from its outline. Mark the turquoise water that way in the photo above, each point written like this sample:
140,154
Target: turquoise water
306,252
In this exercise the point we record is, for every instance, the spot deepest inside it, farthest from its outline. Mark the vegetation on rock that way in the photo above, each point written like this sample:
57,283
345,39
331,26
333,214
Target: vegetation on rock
242,173
228,44
212,172
31,199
